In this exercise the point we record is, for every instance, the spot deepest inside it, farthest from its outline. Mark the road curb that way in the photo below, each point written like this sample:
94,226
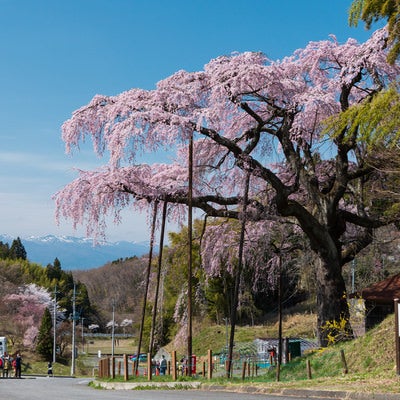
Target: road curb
307,393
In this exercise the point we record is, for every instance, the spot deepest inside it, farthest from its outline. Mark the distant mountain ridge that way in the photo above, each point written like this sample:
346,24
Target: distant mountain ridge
76,253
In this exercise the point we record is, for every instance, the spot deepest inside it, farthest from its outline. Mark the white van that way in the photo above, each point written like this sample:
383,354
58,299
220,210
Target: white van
3,345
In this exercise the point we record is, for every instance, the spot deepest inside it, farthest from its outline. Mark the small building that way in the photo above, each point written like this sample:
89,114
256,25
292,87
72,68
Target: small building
291,347
379,300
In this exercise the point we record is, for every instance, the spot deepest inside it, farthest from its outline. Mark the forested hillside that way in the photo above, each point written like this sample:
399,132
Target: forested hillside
119,283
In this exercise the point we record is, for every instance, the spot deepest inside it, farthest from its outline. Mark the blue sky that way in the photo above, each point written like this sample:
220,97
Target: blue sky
56,55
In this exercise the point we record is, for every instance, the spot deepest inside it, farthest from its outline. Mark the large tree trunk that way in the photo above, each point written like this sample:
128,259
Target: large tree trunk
332,307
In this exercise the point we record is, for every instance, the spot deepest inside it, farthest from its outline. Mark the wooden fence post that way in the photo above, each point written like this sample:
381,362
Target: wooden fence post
344,363
210,364
309,375
106,367
244,370
126,366
278,371
149,367
173,361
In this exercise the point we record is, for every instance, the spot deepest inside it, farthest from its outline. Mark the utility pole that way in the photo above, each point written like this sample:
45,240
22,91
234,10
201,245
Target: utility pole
190,257
73,331
113,330
83,336
55,324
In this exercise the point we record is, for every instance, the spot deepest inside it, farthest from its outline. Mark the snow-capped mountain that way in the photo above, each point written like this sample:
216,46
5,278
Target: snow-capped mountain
76,253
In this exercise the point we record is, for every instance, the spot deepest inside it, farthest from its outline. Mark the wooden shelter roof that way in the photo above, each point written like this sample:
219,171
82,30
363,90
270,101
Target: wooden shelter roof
384,291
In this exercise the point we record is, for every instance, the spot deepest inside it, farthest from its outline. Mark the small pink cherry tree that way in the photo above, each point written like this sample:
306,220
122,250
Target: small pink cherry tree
25,310
247,113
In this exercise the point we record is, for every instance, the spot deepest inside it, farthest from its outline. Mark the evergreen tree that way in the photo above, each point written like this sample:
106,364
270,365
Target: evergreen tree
54,271
17,250
44,345
4,250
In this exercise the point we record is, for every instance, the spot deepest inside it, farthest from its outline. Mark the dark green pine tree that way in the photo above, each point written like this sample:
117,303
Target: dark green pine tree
54,272
4,250
44,345
17,249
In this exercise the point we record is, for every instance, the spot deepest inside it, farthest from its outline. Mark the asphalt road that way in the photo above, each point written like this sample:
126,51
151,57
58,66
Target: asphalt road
43,388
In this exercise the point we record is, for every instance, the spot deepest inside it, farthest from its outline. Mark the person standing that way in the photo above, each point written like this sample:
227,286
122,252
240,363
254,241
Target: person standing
6,365
18,365
163,365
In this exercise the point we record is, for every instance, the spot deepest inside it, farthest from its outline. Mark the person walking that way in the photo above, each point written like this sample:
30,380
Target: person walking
49,369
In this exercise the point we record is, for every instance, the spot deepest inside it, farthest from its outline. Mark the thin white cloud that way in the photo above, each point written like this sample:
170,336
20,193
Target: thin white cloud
49,162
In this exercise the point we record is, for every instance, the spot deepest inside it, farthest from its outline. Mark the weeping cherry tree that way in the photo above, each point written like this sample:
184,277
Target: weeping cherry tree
247,114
